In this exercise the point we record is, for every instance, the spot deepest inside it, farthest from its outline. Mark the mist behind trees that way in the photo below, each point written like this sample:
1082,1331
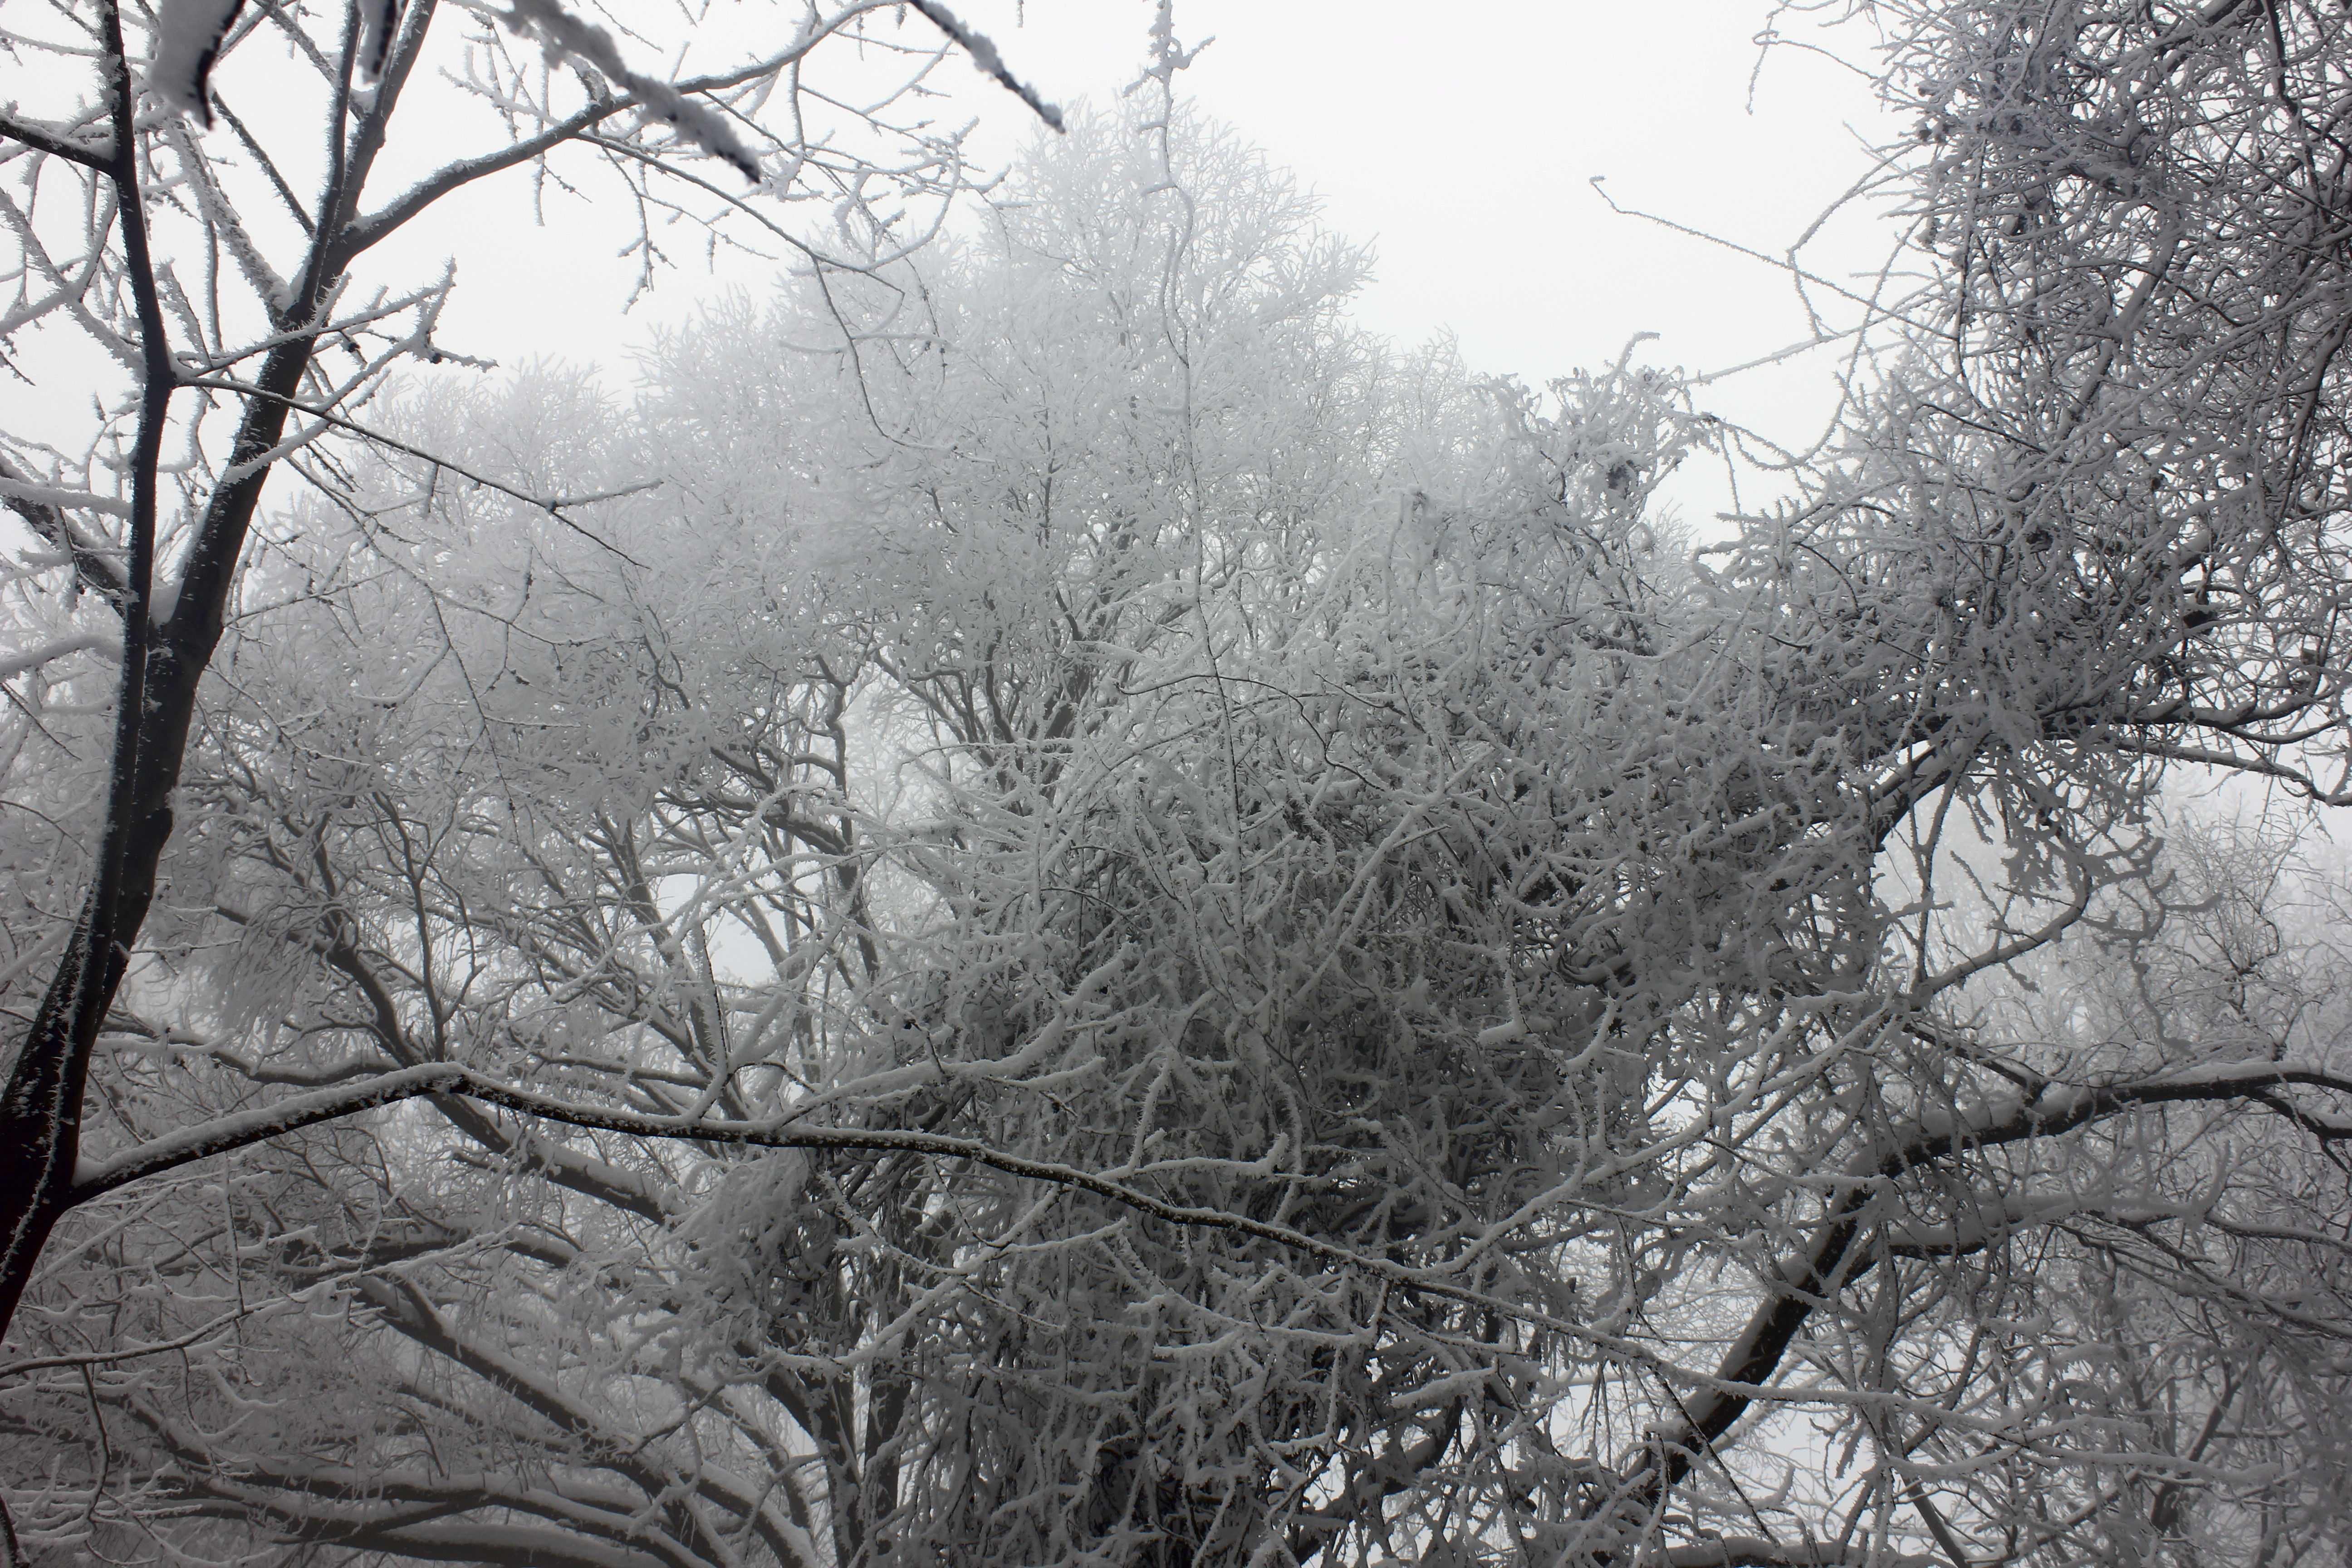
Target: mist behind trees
1036,904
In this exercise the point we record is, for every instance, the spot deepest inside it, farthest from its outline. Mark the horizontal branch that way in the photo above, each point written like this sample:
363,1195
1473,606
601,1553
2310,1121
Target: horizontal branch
41,139
245,1129
1743,1374
15,490
465,1540
1741,1552
13,664
2062,1108
108,1358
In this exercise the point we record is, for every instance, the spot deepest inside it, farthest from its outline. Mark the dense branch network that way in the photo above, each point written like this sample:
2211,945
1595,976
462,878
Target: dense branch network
1107,923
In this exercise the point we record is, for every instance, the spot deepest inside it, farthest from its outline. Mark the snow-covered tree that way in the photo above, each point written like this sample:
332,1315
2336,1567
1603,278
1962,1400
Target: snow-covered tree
1115,926
2113,410
228,325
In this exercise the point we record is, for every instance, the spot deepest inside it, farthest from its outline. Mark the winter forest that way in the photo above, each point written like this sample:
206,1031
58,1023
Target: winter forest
1033,903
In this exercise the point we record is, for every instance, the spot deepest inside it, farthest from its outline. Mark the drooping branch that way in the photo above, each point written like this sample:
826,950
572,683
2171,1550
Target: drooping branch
1822,1271
1746,1552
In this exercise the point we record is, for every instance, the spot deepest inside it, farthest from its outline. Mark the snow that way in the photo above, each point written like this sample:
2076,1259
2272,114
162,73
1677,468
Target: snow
187,37
568,40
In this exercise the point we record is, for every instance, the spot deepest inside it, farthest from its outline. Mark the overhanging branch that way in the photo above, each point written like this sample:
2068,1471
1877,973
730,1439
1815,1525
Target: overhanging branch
1825,1268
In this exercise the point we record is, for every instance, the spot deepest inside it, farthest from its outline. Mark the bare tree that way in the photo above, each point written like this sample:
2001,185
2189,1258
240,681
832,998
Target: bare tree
1119,929
187,261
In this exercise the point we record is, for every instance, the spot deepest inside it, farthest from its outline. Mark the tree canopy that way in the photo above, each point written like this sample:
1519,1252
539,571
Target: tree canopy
1043,907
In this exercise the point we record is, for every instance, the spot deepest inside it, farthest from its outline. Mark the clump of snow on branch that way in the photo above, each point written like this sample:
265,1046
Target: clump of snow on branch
567,39
987,61
188,34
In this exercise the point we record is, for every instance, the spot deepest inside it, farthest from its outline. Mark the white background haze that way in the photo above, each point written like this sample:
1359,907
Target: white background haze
1460,143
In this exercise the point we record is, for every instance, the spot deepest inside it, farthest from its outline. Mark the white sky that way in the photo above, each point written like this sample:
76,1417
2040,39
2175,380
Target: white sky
1460,141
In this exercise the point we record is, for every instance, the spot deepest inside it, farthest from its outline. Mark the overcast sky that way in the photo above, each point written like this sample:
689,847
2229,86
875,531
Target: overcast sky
1463,140
1460,141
